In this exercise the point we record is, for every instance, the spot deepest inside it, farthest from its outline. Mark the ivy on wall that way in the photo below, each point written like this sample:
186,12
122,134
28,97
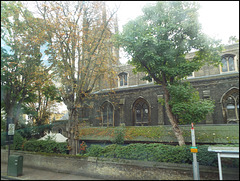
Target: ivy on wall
204,134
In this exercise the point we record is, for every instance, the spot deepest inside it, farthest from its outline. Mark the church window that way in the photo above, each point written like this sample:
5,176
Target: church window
228,63
107,112
230,105
123,79
141,113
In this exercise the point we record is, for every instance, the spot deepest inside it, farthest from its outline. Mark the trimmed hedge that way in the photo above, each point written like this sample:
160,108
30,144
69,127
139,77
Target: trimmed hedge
159,153
45,146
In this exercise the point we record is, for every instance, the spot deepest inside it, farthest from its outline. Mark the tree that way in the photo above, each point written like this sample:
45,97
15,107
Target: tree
21,66
233,39
80,48
41,104
158,42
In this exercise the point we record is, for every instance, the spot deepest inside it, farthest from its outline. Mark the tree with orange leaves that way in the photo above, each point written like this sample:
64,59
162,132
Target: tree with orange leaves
81,49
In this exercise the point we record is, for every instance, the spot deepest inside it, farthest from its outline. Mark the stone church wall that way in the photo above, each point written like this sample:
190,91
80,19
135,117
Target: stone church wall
209,81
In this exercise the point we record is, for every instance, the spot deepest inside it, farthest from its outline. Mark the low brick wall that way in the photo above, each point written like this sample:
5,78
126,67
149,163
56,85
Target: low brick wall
115,168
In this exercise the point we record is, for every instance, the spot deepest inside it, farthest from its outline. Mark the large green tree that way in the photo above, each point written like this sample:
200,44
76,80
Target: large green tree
158,42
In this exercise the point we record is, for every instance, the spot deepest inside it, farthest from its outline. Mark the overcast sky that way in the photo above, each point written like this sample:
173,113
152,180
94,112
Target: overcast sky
219,19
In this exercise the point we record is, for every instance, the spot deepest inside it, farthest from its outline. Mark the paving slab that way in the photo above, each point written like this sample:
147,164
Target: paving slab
37,174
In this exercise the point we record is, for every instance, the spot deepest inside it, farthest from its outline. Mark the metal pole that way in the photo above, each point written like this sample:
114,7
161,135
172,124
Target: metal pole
196,175
220,166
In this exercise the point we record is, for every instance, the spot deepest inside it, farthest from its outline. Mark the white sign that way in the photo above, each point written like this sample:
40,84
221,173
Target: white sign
11,129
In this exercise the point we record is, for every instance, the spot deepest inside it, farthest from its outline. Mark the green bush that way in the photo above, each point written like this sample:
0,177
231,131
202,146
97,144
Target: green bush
48,146
3,138
95,151
159,153
119,134
17,142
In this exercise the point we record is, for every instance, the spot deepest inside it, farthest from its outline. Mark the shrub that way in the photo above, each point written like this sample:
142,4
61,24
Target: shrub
17,142
3,138
159,153
48,146
119,134
95,151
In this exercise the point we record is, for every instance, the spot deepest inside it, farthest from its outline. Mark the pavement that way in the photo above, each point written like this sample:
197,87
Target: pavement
37,174
30,173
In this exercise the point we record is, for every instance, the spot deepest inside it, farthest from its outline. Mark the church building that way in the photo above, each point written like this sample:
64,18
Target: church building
135,102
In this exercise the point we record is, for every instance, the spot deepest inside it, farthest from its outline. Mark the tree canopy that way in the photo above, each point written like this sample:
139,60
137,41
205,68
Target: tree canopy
80,48
158,42
23,74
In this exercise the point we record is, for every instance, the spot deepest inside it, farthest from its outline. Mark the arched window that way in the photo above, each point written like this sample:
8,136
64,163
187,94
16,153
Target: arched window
141,113
228,63
107,113
230,105
123,79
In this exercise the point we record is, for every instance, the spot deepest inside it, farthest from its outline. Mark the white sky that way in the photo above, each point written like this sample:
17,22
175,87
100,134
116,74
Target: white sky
219,19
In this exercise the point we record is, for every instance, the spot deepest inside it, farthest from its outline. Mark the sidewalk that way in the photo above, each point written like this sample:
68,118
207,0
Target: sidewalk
35,174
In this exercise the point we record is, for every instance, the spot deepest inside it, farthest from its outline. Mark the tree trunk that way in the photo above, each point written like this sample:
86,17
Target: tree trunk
173,120
72,130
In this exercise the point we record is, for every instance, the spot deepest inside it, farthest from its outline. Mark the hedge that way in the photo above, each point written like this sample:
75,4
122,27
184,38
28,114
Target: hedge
159,153
46,146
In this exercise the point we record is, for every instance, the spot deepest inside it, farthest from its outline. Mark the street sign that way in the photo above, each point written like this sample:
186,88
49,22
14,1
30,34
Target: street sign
11,129
194,149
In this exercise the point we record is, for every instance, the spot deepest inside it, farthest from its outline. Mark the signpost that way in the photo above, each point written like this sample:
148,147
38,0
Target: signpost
194,150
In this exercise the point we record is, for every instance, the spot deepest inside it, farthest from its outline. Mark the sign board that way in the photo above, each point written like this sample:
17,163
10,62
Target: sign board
11,129
194,149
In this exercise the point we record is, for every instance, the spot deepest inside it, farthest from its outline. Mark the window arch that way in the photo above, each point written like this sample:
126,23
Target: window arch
141,112
230,105
122,79
107,114
228,63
